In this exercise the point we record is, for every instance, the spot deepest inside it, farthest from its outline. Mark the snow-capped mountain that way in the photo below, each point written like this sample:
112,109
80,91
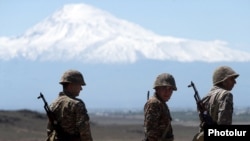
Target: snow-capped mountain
82,32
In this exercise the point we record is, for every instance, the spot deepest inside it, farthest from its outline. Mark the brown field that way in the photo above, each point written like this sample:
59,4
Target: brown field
26,125
131,129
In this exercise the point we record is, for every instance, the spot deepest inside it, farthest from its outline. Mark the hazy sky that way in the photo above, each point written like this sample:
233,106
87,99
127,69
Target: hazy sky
227,20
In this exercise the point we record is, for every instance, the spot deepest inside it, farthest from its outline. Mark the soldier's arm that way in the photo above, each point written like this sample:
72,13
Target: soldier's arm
152,117
225,110
82,122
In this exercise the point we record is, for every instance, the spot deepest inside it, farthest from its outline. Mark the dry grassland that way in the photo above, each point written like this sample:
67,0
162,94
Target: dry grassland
25,125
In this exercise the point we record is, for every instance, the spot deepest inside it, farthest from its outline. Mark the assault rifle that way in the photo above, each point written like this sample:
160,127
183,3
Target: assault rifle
61,135
48,111
205,118
52,120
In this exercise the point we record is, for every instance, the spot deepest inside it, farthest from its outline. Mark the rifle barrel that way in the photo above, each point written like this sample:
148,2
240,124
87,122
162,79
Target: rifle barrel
148,95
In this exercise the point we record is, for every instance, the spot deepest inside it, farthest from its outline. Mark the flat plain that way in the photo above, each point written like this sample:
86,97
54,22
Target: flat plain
26,125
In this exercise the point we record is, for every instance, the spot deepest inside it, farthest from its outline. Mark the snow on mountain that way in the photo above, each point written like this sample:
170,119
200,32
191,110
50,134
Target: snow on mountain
84,33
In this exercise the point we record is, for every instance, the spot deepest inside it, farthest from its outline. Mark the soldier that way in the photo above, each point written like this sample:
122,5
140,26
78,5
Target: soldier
70,112
157,122
219,100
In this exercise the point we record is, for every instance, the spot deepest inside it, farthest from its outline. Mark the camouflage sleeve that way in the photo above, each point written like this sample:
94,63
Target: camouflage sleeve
82,121
225,110
152,117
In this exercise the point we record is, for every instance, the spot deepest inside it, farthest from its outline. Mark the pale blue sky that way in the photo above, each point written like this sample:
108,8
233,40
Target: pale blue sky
227,20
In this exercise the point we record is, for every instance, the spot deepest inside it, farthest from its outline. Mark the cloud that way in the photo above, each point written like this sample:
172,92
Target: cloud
84,33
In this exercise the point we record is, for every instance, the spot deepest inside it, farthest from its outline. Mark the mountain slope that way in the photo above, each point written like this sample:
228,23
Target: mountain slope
84,33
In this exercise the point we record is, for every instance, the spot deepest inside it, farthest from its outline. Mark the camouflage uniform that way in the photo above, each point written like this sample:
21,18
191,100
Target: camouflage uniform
219,100
219,103
72,116
157,120
70,113
157,117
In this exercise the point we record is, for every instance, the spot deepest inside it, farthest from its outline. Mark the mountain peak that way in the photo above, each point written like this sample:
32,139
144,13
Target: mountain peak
82,32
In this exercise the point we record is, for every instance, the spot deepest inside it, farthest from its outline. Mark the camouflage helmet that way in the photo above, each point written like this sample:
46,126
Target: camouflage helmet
72,76
165,79
222,73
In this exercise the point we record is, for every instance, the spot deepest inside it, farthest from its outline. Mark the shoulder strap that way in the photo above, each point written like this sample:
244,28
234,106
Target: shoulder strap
165,131
168,126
